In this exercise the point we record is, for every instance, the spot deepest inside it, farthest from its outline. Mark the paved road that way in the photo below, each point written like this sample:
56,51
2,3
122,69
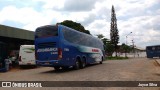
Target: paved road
137,69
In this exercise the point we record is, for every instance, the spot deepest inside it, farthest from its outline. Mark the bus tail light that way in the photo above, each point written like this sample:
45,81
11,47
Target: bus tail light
59,53
20,58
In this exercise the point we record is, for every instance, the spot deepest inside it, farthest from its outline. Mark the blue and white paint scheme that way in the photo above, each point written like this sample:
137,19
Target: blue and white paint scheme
60,46
94,53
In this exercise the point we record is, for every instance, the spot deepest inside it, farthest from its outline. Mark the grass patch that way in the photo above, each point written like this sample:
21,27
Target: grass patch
116,58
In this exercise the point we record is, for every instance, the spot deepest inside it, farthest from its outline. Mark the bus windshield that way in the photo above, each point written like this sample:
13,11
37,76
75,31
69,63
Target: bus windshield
46,31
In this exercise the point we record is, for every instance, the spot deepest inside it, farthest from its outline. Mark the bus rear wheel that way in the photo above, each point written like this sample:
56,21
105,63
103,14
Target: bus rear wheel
83,63
101,62
57,68
77,65
65,68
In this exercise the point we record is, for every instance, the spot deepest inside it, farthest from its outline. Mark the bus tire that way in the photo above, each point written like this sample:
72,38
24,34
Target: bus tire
83,63
101,62
65,68
77,65
57,68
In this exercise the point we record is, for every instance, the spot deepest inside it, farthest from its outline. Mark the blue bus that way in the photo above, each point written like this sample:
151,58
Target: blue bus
153,51
59,46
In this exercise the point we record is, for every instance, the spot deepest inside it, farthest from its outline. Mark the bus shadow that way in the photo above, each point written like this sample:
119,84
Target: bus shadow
157,74
69,69
28,67
154,58
59,71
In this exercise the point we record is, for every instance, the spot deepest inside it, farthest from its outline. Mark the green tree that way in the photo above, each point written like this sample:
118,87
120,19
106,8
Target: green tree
114,36
109,49
100,36
125,48
74,25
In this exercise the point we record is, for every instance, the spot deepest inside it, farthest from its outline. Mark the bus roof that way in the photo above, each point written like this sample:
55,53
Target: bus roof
63,26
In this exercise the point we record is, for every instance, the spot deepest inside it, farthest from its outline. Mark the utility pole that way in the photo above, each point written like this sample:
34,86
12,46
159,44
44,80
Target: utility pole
126,43
133,47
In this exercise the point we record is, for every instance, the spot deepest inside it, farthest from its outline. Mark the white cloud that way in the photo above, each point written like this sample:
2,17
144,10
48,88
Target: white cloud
23,15
138,16
51,4
138,7
142,29
29,17
99,27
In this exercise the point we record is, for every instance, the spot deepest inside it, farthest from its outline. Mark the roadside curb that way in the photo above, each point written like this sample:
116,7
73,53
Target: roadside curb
158,62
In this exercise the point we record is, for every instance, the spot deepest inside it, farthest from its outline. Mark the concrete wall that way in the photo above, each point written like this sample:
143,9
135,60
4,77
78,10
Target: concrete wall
136,54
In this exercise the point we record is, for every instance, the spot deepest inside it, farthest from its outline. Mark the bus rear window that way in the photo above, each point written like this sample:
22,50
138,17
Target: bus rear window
46,31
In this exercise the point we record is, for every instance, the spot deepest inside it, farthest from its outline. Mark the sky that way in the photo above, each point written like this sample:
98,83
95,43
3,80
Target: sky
141,17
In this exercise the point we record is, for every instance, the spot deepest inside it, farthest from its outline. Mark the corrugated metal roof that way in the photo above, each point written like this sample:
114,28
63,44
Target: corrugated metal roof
12,32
